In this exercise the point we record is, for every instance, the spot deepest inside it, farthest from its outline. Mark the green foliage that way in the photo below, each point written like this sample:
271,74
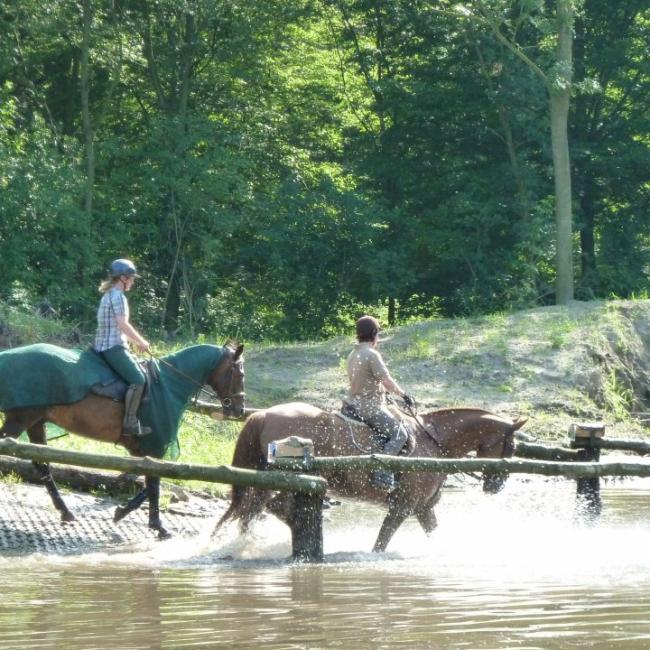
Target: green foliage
619,397
20,325
276,169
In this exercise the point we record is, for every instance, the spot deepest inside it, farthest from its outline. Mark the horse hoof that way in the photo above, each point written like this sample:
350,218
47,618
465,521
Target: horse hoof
67,517
120,513
164,534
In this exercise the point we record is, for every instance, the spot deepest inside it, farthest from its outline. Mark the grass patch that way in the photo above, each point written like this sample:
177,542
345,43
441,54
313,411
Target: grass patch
11,478
618,396
203,441
559,331
20,327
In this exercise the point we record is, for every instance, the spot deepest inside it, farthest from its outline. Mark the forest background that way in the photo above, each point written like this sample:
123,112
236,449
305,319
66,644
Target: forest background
277,168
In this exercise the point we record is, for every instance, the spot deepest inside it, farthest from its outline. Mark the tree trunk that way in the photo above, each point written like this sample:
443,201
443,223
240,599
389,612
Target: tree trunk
560,90
85,108
588,275
172,305
392,311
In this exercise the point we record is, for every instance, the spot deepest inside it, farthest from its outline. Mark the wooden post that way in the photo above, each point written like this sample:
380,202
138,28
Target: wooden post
585,437
588,489
307,528
306,515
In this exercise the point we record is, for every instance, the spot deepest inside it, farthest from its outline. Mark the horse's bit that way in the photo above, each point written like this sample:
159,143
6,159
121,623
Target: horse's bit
226,402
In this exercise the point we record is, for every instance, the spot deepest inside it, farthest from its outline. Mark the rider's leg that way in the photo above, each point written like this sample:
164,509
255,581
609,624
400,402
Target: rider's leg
126,365
131,423
384,421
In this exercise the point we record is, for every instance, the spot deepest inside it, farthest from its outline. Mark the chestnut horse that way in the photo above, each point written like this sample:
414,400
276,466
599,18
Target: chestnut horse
100,418
452,432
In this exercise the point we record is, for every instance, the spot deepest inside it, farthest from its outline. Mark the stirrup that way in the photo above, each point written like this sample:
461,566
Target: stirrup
135,429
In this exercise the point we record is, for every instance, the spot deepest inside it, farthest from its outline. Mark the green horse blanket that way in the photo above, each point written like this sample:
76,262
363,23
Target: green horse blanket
43,374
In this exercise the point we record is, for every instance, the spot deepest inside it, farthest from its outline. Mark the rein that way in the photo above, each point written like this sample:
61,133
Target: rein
226,401
409,410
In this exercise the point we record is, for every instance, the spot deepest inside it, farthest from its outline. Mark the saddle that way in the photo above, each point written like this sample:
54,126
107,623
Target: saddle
116,389
379,438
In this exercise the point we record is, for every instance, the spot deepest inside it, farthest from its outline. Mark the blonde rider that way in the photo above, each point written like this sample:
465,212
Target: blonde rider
114,331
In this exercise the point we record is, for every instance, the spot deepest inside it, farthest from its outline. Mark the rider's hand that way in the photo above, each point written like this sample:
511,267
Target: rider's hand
144,345
408,400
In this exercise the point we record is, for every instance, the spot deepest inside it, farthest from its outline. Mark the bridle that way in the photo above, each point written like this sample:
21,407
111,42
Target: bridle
507,441
226,402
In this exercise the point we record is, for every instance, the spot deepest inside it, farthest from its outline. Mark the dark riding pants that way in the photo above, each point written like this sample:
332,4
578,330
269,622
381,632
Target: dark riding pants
125,365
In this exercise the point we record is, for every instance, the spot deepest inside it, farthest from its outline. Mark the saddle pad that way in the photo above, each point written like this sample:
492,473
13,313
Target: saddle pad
43,374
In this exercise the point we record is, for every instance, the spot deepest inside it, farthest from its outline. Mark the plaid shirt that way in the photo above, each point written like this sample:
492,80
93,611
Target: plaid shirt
112,304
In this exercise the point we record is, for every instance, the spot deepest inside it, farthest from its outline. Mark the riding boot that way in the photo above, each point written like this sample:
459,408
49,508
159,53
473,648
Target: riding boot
396,441
382,478
131,424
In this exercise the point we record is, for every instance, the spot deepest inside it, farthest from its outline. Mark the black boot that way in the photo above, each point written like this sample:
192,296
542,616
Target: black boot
382,478
131,424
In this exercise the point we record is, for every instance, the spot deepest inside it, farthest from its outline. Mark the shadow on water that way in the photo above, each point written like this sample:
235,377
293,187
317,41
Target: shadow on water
515,570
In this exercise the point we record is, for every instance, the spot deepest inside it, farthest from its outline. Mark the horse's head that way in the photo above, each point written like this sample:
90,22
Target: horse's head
499,443
227,381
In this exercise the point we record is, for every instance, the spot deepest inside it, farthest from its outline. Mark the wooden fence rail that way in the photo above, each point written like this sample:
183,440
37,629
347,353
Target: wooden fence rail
289,481
459,465
309,489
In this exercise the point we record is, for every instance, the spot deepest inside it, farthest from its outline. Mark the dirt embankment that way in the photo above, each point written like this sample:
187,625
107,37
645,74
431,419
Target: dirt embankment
555,365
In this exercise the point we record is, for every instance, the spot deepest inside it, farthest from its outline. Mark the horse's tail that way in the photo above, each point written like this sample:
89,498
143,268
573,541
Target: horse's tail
247,502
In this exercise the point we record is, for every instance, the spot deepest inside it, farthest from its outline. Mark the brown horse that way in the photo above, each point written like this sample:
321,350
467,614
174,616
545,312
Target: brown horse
452,432
100,418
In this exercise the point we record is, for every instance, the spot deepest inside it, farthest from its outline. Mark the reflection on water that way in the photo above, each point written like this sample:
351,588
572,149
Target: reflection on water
509,571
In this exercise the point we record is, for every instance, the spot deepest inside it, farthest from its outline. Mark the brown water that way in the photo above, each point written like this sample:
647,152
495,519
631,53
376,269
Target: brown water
510,571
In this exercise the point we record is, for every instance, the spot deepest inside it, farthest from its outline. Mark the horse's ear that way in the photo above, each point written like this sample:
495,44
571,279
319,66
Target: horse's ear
239,351
518,423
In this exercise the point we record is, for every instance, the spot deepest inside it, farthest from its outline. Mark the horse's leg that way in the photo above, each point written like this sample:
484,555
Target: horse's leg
398,511
153,488
281,505
132,504
36,433
427,518
19,420
425,514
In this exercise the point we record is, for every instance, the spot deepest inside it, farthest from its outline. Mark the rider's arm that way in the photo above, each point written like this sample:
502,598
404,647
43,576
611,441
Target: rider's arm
392,386
131,333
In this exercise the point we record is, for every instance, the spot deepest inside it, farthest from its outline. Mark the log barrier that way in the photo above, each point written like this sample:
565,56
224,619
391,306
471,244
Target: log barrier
307,533
287,481
460,465
581,464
